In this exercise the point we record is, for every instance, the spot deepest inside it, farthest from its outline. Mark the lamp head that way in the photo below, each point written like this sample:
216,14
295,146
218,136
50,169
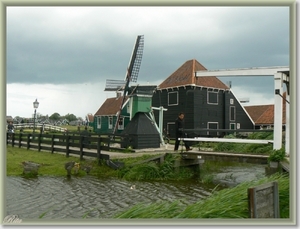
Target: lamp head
35,104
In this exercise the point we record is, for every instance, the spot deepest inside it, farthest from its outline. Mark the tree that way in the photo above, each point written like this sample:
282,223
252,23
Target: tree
70,117
55,116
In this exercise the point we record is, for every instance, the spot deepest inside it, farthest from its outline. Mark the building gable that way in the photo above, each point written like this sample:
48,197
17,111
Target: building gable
185,75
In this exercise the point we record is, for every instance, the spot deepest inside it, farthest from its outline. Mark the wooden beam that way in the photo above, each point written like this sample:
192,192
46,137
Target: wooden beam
263,71
233,140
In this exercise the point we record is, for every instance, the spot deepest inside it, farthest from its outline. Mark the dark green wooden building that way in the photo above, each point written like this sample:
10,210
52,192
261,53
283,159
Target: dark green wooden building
138,99
206,101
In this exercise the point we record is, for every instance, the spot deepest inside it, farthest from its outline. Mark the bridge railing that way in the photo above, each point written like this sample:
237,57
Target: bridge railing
220,138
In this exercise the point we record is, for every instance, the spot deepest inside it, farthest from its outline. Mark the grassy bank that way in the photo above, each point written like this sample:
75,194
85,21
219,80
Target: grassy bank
230,203
53,164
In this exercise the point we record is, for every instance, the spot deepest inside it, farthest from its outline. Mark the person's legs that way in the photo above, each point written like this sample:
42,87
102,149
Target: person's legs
177,141
176,144
187,145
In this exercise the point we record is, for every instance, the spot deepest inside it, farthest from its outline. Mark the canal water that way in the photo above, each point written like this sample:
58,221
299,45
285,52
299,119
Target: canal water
92,197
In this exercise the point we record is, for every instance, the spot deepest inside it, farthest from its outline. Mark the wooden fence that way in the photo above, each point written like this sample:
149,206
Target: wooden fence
38,126
69,143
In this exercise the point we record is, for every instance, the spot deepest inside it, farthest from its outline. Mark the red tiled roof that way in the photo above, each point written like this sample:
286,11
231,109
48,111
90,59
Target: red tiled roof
185,75
110,107
264,114
256,112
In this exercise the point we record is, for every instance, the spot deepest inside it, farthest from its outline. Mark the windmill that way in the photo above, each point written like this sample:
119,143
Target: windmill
130,76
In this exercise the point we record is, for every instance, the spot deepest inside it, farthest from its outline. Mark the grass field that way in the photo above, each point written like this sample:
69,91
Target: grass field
53,164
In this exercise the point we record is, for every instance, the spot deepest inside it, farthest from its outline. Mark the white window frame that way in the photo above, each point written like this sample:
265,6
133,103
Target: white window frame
121,126
212,129
169,99
231,101
110,122
208,92
234,124
168,127
99,122
128,107
230,113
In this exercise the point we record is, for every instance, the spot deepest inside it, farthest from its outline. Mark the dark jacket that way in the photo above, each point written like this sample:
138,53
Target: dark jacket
179,127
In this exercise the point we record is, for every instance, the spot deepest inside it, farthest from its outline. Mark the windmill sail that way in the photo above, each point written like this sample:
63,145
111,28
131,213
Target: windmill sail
136,59
132,71
114,85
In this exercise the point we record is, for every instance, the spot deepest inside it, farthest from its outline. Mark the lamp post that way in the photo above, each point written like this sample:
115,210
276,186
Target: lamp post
35,106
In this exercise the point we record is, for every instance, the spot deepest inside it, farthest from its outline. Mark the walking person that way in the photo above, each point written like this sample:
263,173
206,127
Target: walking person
179,132
10,130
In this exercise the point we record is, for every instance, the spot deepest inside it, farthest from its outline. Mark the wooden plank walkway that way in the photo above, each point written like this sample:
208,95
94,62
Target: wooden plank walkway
285,166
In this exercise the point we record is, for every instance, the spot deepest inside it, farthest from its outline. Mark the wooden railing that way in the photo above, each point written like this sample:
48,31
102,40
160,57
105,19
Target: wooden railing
69,143
38,126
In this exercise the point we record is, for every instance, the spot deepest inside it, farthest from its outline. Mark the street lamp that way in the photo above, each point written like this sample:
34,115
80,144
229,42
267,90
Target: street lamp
35,106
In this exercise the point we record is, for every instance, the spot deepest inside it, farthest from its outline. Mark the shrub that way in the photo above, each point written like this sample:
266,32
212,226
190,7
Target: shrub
277,155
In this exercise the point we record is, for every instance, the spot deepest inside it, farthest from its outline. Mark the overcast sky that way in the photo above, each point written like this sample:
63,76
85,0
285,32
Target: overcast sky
62,56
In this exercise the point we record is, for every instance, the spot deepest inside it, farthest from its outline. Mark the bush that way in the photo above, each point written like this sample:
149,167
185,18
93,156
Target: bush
277,155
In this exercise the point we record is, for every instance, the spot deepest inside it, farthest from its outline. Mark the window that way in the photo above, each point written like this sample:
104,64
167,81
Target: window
110,122
98,122
232,113
128,108
171,129
212,97
231,101
121,123
212,125
173,98
232,126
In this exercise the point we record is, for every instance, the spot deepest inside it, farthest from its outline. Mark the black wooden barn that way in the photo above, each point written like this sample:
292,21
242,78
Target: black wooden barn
206,101
141,133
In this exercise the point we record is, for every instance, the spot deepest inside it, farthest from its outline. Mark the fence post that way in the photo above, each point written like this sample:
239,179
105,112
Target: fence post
52,143
81,147
99,150
13,139
67,145
28,141
39,142
20,139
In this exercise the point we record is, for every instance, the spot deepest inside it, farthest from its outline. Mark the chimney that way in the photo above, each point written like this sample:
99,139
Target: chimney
119,94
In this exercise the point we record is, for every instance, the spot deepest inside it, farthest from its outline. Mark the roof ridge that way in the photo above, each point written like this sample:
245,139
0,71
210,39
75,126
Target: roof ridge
185,75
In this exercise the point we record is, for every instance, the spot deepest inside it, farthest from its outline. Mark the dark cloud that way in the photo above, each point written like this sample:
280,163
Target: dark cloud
65,54
53,47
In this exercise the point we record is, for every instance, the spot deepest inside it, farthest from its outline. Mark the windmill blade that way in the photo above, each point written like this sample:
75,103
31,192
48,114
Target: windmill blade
132,71
114,85
136,60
